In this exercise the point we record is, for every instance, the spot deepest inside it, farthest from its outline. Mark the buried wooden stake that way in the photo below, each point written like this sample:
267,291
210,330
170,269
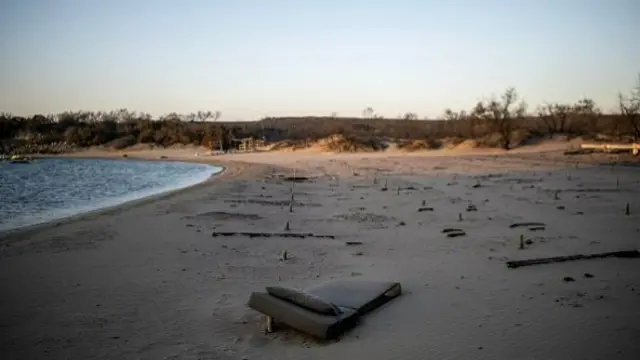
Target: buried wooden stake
521,242
292,200
284,256
286,227
294,178
627,210
618,183
424,202
459,216
398,190
555,195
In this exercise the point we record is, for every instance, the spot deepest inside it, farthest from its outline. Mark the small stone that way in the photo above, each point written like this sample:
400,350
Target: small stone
568,279
588,275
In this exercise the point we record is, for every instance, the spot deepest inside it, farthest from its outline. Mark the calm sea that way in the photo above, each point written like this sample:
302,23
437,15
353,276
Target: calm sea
50,189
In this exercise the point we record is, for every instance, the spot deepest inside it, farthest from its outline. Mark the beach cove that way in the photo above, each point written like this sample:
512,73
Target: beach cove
50,189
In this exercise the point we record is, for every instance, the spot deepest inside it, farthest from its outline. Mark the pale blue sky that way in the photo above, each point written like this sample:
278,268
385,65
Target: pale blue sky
250,59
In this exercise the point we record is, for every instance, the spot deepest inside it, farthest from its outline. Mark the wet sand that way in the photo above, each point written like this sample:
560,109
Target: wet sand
148,281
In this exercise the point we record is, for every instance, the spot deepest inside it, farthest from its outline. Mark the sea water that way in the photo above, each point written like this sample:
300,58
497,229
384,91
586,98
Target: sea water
52,189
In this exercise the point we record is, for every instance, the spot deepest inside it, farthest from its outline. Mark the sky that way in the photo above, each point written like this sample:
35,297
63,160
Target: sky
250,59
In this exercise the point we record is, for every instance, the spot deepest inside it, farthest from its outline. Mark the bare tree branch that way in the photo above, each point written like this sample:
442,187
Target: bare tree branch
500,114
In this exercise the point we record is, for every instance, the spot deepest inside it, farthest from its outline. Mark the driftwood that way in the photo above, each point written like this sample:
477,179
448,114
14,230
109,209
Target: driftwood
456,234
353,243
527,224
452,232
628,254
261,234
296,178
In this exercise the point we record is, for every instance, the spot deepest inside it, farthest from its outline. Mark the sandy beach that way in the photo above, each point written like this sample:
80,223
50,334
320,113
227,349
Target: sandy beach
148,280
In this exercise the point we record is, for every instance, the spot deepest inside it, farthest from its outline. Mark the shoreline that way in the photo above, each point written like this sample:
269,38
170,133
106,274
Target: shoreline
227,161
111,209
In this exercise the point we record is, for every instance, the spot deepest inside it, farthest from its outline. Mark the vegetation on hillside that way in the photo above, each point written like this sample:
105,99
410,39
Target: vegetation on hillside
498,122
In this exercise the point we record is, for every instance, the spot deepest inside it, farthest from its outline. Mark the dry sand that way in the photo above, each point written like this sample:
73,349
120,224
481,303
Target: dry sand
148,281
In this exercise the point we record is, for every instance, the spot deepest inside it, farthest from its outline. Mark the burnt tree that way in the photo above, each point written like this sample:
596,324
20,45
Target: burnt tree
501,114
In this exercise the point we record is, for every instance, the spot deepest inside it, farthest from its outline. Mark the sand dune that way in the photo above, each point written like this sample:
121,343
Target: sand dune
148,281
